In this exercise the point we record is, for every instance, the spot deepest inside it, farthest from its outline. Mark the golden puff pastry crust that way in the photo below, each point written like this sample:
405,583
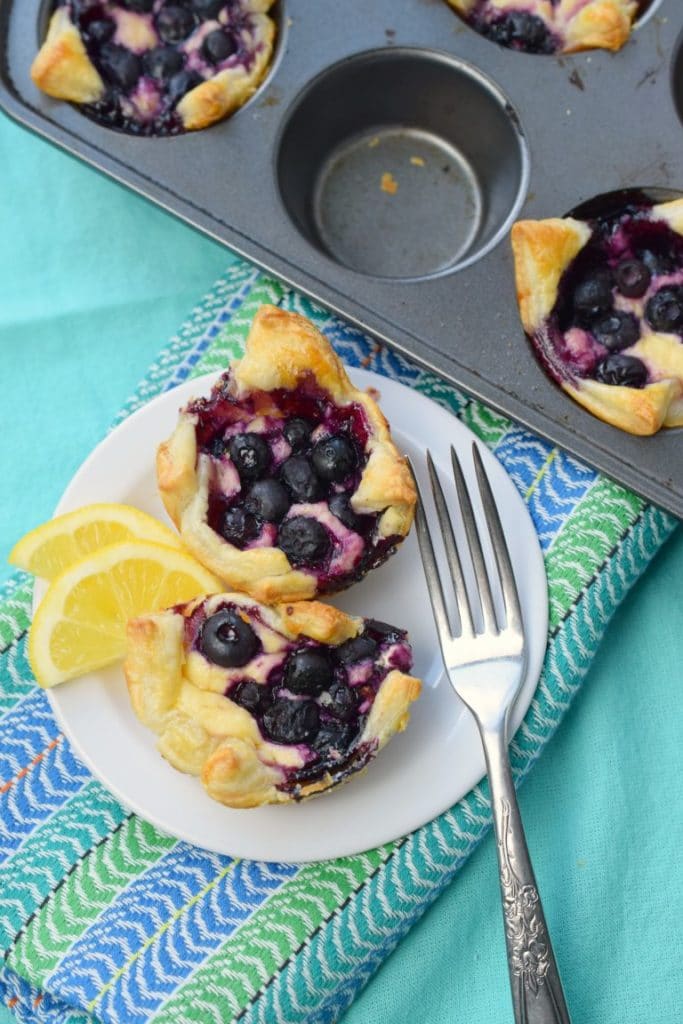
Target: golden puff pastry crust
602,302
542,26
286,481
153,68
268,704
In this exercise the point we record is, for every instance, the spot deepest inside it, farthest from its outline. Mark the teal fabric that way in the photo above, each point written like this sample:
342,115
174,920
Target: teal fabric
92,282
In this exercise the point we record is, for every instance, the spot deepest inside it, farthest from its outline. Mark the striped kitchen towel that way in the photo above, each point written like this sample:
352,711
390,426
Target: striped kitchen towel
104,919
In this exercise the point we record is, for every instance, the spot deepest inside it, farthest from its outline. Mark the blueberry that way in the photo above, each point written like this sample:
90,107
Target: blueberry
142,6
300,478
290,721
268,499
656,262
162,63
384,630
633,278
623,370
531,33
216,447
334,736
616,330
304,540
308,671
208,9
174,23
252,696
334,458
664,311
340,506
227,640
523,31
120,66
344,702
297,433
218,46
594,294
181,83
101,30
358,649
498,31
238,527
251,455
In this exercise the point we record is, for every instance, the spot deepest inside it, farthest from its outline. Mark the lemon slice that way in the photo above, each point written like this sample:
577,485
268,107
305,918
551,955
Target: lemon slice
53,547
80,624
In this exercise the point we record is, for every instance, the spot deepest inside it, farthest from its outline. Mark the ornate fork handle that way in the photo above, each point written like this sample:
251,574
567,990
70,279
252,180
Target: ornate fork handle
537,994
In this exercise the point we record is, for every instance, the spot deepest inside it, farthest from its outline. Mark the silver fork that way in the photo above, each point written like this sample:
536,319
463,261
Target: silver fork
486,668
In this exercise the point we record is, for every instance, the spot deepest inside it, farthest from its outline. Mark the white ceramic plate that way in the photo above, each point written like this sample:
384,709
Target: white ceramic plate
420,773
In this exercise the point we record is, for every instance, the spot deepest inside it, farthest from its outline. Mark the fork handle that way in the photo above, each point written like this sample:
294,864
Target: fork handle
537,995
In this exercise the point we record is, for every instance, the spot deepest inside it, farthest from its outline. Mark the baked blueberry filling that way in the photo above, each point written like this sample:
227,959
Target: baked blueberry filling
530,26
151,53
518,30
285,466
625,283
314,696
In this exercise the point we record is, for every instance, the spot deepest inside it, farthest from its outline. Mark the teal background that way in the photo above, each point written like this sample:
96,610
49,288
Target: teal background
93,281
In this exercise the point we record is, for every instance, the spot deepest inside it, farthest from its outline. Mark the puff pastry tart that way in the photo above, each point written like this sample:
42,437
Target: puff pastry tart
552,26
286,481
152,67
268,704
602,301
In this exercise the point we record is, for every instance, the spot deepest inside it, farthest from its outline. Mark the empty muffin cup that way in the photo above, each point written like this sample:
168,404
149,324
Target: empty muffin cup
677,77
402,164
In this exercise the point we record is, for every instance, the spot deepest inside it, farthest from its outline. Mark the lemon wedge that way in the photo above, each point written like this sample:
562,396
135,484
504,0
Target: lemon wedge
80,625
53,547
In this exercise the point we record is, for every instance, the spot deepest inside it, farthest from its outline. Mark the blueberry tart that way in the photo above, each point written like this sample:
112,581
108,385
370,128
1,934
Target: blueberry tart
602,301
153,67
285,480
268,704
552,26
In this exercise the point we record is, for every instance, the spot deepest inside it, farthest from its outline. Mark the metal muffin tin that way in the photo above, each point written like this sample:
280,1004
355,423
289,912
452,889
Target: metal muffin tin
379,168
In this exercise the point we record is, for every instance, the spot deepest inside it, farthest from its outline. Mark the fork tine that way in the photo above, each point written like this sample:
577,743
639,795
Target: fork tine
452,555
434,587
500,548
472,532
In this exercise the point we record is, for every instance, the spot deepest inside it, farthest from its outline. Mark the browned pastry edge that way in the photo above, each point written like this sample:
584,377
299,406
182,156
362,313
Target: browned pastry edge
62,68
